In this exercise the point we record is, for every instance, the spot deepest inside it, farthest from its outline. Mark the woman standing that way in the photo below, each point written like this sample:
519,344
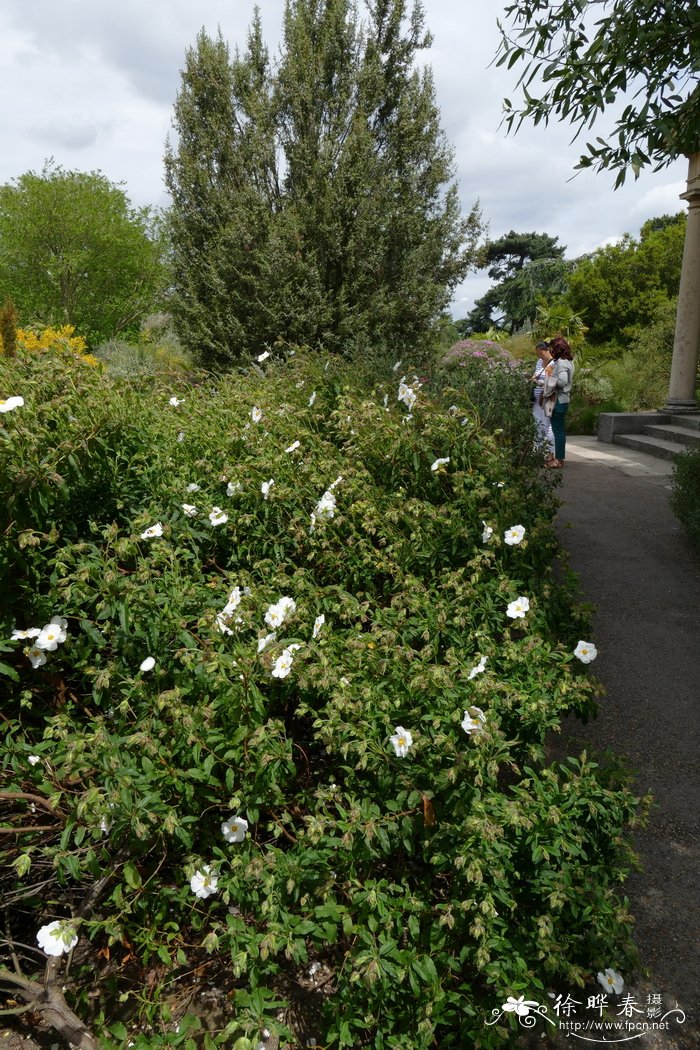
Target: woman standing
543,421
559,379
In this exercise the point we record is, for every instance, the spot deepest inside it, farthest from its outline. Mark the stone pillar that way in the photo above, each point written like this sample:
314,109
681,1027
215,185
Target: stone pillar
686,344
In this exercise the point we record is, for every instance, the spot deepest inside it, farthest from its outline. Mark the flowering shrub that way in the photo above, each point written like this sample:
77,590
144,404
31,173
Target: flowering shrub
290,739
497,388
55,340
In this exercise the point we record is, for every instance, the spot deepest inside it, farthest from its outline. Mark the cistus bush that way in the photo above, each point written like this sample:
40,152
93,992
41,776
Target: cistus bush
281,651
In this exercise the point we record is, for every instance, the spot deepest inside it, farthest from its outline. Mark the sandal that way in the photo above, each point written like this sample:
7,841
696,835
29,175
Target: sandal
556,464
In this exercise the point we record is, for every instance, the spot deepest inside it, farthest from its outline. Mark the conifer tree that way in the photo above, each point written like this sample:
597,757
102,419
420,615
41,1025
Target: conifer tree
312,200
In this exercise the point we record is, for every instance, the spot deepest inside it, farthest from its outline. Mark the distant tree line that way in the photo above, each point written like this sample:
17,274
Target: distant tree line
616,290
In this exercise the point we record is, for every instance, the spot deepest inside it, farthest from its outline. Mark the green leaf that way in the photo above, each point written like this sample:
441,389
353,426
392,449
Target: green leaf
132,875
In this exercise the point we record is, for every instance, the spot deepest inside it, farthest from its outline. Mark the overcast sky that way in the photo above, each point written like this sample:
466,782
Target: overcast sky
92,83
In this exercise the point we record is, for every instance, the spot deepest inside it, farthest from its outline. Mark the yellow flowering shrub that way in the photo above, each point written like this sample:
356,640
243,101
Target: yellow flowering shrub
55,340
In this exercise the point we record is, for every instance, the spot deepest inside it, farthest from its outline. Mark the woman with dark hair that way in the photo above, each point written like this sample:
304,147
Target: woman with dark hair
560,376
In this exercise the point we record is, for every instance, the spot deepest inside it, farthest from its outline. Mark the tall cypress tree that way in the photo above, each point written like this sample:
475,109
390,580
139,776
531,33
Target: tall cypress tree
313,201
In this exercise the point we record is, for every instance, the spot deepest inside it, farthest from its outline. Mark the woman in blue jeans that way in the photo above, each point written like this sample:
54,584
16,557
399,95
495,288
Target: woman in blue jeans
560,376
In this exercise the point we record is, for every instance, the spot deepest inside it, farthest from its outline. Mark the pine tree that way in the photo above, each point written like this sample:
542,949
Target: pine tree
313,202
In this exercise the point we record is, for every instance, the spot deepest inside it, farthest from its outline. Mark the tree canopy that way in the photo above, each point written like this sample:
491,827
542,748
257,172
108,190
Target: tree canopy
583,57
73,251
620,288
313,199
526,267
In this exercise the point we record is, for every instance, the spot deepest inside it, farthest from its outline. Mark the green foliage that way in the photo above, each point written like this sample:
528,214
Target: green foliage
578,63
498,387
158,350
73,251
685,493
640,376
620,288
526,267
423,889
313,199
557,318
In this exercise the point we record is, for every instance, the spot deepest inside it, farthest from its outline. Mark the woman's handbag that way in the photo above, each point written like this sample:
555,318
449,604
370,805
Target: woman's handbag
548,394
548,401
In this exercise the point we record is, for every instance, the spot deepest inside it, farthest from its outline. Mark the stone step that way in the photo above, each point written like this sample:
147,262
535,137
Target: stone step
688,422
653,446
673,432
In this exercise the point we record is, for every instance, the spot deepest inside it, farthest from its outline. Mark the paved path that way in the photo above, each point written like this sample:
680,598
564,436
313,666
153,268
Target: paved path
636,566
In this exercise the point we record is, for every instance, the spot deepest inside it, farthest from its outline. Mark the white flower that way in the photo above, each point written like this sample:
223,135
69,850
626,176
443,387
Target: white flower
203,883
487,533
325,508
263,357
189,510
521,1006
148,664
234,599
395,367
586,651
440,463
33,759
264,642
31,632
283,664
407,395
336,482
274,617
514,535
51,636
256,414
401,740
193,487
453,410
478,668
266,486
36,656
181,436
517,609
222,623
312,399
175,401
233,487
318,624
217,516
294,444
474,720
152,532
611,980
57,938
287,605
279,611
9,403
234,829
105,825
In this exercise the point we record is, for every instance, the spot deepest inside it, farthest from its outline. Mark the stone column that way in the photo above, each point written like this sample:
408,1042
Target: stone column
686,344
